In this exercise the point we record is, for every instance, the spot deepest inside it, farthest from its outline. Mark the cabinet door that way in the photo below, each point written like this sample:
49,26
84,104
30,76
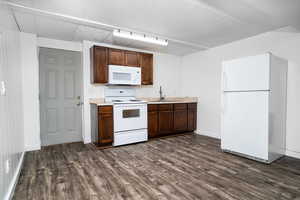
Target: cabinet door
152,123
180,120
99,64
146,63
191,120
192,117
165,122
132,59
116,57
105,125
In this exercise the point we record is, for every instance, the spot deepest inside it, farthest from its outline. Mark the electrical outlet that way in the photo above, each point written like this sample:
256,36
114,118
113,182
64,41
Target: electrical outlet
3,89
7,166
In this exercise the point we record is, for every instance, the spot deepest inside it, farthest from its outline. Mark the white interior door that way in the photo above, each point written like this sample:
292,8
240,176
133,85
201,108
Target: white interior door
245,123
60,96
246,74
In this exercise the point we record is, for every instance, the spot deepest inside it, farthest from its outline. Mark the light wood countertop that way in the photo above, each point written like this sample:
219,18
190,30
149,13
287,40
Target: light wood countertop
149,100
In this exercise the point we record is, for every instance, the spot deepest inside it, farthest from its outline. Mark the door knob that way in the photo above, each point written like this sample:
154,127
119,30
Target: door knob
79,104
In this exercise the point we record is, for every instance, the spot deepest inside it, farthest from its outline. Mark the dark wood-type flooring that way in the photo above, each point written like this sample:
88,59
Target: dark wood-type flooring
182,167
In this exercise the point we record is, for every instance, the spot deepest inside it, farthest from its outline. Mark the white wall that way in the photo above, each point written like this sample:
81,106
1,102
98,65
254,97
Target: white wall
11,109
197,74
59,44
201,77
166,73
30,44
30,83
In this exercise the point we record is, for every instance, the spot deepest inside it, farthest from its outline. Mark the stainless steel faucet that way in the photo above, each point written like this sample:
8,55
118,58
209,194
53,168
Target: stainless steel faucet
161,97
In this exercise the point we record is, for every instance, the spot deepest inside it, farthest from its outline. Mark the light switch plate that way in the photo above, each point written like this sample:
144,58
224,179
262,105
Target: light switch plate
3,89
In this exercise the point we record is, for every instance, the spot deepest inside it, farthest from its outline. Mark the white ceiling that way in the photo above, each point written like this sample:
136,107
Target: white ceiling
191,25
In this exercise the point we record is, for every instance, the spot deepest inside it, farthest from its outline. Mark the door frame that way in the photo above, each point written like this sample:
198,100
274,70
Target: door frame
67,46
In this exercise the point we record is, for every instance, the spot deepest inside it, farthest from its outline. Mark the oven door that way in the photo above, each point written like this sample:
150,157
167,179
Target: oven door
123,75
130,117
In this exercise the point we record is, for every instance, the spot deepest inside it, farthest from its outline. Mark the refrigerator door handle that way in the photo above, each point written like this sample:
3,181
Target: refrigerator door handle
224,81
224,103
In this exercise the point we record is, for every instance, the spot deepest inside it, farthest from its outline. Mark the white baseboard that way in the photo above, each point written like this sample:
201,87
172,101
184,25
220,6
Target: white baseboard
208,133
211,134
292,154
87,141
32,148
15,179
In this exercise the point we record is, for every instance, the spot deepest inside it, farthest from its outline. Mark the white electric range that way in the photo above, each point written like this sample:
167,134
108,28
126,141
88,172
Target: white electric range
130,116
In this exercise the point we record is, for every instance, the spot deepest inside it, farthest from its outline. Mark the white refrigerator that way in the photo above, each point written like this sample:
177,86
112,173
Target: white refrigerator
254,107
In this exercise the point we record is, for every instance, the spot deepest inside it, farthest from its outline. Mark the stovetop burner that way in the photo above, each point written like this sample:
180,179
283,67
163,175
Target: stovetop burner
121,96
134,100
125,100
117,101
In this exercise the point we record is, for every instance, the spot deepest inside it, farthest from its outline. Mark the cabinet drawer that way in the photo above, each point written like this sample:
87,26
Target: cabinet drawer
180,106
152,107
105,109
165,107
192,106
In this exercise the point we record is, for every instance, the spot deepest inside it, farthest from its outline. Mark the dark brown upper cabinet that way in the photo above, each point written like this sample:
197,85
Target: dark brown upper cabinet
132,59
101,57
116,57
99,64
146,63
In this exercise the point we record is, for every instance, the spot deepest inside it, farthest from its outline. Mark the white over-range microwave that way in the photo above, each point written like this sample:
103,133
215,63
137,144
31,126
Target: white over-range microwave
123,75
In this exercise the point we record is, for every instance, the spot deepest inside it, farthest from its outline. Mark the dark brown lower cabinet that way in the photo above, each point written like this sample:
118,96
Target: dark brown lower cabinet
152,123
192,116
180,120
167,119
105,125
165,122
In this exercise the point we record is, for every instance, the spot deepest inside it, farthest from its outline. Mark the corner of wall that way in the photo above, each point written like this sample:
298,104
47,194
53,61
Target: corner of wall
35,147
30,90
292,153
180,78
14,182
12,139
